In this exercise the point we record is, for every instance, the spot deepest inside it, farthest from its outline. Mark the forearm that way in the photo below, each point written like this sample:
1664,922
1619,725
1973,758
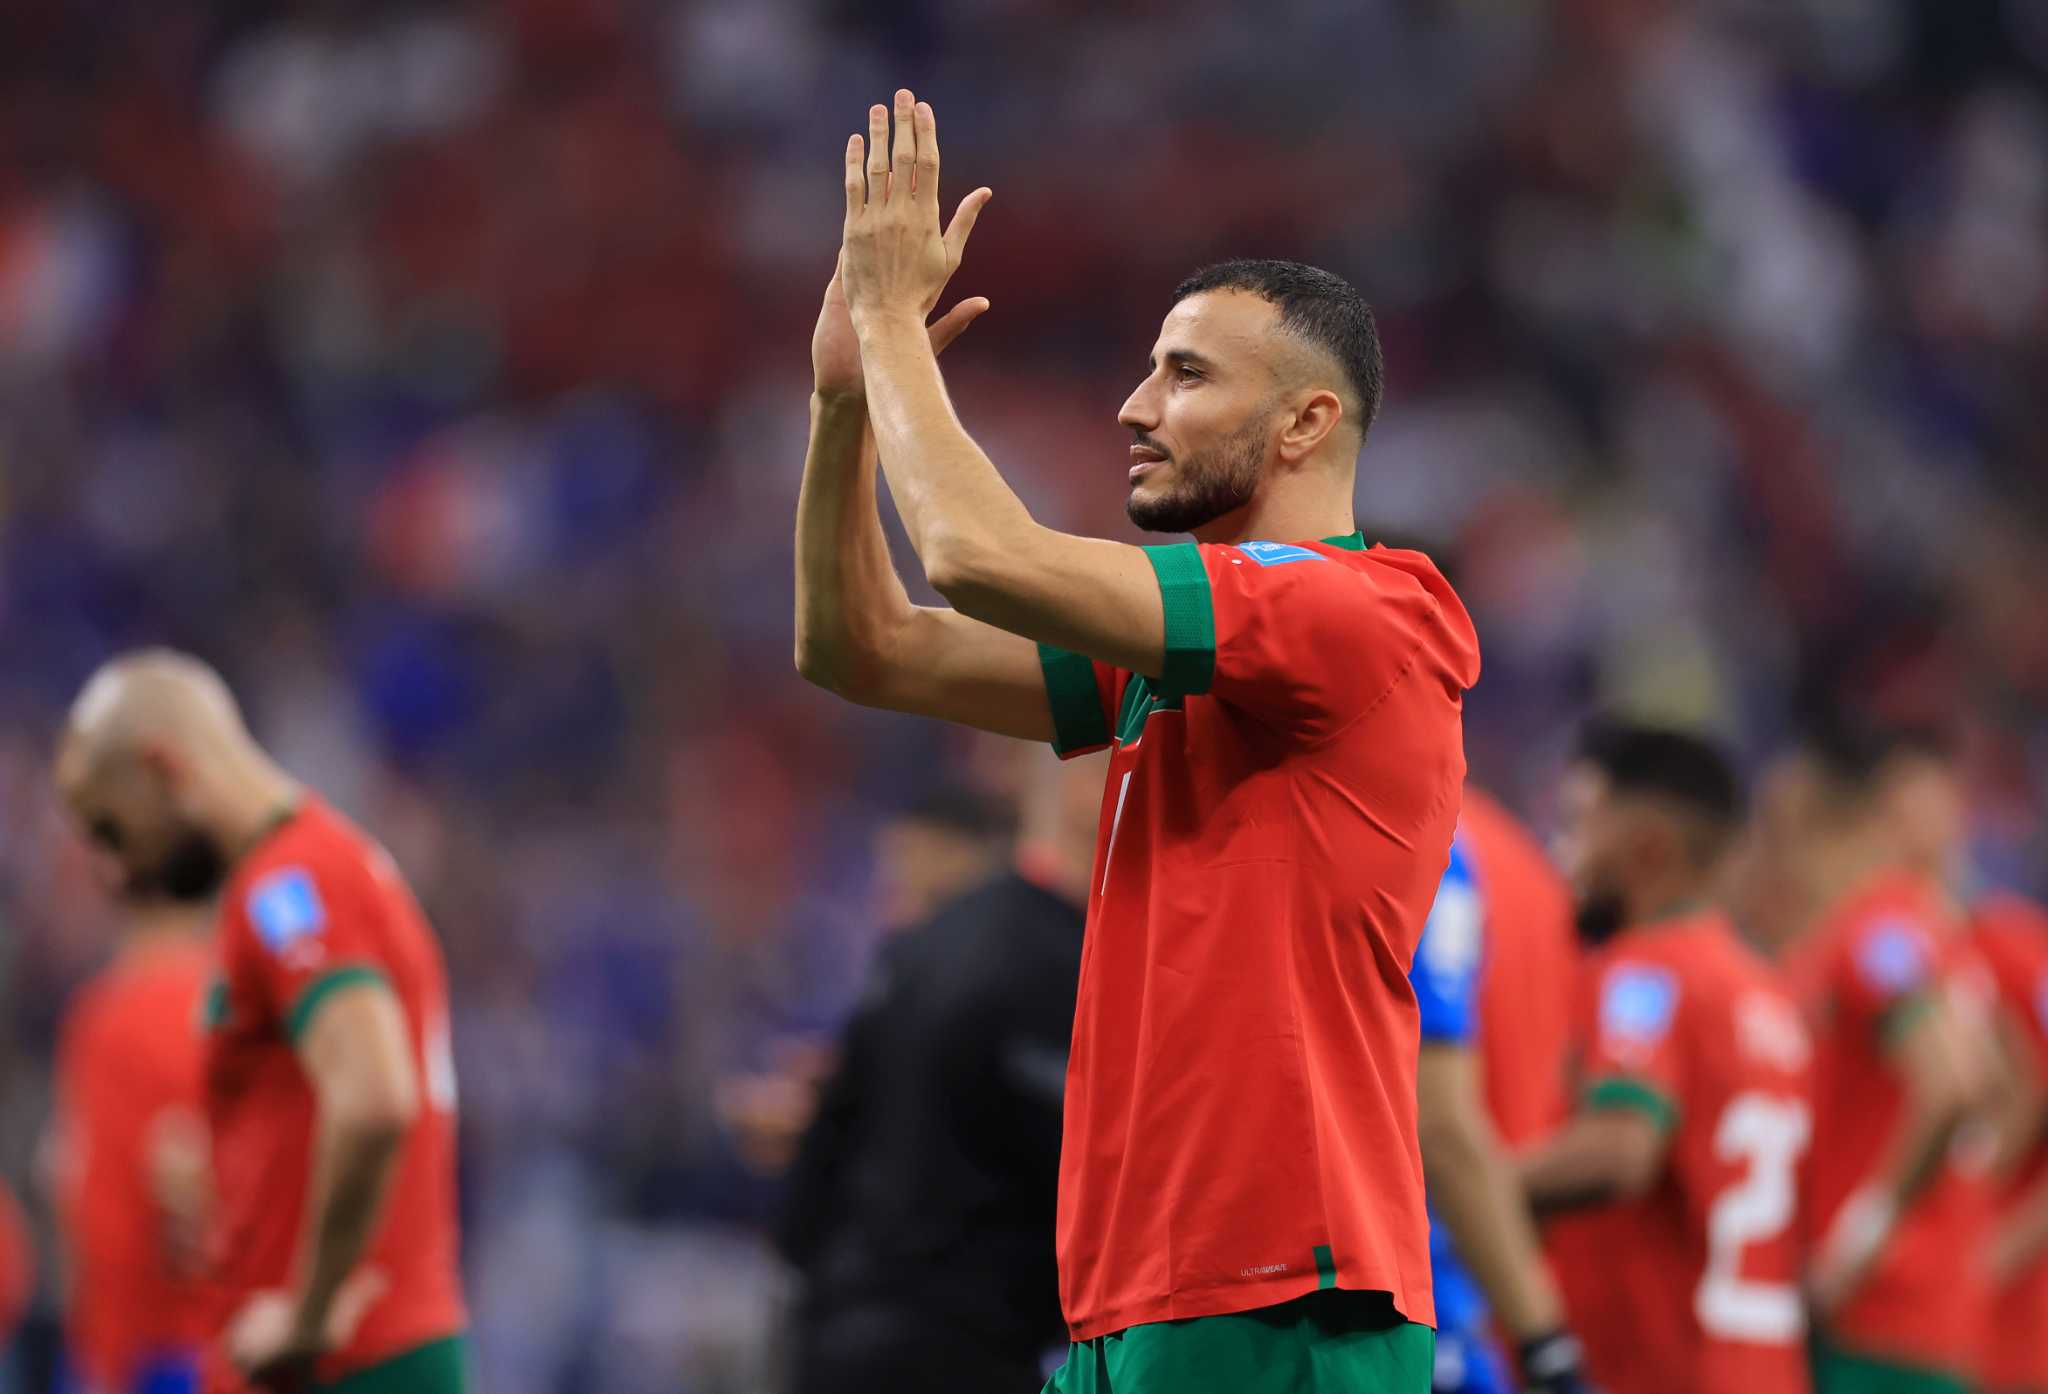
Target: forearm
2023,1238
849,601
353,1167
1473,1185
953,502
1600,1157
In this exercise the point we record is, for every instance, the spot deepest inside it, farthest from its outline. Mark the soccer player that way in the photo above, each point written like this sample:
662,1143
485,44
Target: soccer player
133,1184
1906,1059
1483,1246
1240,1188
2012,936
329,1090
1693,1118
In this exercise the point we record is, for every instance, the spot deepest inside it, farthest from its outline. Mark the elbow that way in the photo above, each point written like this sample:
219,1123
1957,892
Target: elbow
851,676
376,1119
960,567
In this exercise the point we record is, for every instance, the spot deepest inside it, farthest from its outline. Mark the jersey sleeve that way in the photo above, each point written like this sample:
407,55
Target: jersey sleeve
1083,694
1300,637
1447,958
298,932
1889,971
1631,1046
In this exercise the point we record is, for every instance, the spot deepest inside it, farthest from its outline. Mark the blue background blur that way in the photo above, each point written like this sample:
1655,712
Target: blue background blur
439,370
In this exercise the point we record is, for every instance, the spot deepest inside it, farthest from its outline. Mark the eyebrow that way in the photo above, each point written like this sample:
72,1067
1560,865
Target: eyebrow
1179,356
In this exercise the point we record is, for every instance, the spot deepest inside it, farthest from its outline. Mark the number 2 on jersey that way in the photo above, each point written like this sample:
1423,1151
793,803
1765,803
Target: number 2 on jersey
1770,1133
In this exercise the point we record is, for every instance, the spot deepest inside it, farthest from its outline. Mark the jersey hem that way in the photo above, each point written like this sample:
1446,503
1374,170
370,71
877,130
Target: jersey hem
1238,1297
321,988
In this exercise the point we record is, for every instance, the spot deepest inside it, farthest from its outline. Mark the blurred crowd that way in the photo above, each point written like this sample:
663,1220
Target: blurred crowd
439,371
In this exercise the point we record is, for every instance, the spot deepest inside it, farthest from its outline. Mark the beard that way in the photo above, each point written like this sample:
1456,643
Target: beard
1208,485
190,872
1600,916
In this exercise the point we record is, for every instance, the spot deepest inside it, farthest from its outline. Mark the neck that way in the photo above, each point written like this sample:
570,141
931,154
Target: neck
149,931
248,798
1668,899
1312,501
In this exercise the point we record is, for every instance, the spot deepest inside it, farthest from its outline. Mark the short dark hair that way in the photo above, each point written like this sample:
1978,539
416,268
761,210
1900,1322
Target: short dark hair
1856,750
1691,771
1316,306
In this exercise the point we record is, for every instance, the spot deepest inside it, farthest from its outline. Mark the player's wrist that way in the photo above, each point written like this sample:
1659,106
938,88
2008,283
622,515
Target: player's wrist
877,324
840,403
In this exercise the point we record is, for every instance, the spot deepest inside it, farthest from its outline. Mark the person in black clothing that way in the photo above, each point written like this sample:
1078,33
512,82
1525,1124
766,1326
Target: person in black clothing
921,1205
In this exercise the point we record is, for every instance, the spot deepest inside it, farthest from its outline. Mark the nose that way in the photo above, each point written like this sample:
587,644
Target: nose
1140,411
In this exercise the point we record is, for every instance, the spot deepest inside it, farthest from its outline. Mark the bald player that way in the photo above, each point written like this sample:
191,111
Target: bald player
330,1098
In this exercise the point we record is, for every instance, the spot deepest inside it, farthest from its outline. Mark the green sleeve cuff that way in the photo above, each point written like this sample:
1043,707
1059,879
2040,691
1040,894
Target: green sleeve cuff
1077,720
1190,619
1617,1091
320,989
1897,1020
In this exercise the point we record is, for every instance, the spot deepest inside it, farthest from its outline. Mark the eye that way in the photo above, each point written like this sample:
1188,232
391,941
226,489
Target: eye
1186,374
106,832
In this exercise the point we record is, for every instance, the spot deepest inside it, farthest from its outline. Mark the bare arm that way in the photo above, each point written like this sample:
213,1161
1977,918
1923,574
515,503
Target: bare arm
358,1057
1599,1157
979,545
1474,1187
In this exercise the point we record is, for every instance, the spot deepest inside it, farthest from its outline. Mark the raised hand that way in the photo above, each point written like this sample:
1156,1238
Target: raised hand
835,350
894,260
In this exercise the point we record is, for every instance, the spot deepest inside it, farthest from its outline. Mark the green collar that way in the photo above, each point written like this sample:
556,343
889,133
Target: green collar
1350,542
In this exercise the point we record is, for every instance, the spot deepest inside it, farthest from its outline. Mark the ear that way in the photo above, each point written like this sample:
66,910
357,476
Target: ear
1316,416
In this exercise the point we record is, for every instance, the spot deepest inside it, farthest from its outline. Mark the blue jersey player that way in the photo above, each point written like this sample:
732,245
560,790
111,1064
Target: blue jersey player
1482,1242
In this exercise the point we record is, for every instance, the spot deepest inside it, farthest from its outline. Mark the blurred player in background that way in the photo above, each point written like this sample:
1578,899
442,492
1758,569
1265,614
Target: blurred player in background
1241,1198
920,1212
330,1088
1694,1119
132,1177
1492,917
1898,1193
2012,936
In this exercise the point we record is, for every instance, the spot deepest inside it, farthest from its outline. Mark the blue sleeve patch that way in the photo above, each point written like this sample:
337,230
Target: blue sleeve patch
285,907
1637,1006
1277,553
1447,958
1893,958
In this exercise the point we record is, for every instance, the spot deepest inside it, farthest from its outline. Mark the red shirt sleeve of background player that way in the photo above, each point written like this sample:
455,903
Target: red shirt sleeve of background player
2012,936
1629,1027
1306,638
1891,959
297,931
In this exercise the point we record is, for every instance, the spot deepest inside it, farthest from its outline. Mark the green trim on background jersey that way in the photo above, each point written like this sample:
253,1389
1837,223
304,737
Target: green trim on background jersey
321,988
1350,542
1326,1267
1190,619
1837,1371
1897,1021
1618,1091
213,1007
438,1367
1327,1340
1077,722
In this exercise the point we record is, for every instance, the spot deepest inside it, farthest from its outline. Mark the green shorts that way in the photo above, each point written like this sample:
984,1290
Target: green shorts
1326,1340
438,1367
1839,1371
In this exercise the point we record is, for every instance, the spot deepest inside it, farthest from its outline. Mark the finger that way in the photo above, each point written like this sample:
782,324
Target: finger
925,186
856,180
878,153
903,158
954,322
962,226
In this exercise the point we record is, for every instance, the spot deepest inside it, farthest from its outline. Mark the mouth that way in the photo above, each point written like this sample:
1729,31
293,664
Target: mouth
1143,458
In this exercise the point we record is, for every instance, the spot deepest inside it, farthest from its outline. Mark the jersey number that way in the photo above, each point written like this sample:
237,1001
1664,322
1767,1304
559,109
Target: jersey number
1769,1134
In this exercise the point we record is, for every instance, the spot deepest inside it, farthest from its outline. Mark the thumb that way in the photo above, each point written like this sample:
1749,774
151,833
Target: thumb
962,226
954,322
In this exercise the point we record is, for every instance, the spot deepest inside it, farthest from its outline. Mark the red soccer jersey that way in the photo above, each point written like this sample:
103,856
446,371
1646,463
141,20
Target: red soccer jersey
314,907
2011,935
1240,1115
1693,1288
129,1061
1862,973
17,1266
1532,967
